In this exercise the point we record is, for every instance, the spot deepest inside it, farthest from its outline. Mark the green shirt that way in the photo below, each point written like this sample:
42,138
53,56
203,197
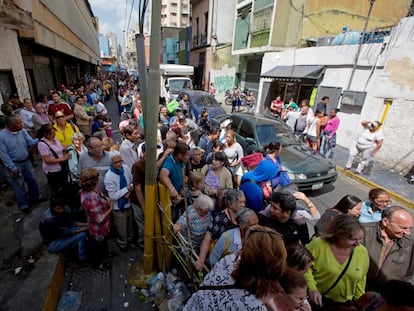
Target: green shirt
326,269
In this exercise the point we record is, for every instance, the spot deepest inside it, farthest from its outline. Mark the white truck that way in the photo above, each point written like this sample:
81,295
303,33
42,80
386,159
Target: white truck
174,79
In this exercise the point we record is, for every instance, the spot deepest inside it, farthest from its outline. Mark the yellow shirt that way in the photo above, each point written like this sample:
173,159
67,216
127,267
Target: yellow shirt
65,137
326,269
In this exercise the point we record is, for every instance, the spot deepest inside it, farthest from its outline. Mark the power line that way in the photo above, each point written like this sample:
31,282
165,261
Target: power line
125,15
130,14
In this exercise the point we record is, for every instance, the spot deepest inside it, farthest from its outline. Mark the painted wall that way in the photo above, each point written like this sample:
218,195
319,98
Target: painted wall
327,17
223,72
389,74
11,59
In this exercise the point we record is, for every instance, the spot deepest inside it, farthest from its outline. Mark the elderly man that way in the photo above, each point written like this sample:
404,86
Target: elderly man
390,248
14,154
96,158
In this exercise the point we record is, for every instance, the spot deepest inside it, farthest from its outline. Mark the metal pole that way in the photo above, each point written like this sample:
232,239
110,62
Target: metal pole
142,69
361,40
151,126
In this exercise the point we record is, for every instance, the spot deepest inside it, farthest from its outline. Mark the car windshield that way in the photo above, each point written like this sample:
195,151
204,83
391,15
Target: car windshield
207,101
268,133
178,85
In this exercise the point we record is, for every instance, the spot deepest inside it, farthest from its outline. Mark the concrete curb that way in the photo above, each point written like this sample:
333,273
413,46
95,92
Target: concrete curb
371,184
52,296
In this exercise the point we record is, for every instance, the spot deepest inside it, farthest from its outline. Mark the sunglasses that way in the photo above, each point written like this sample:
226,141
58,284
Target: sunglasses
59,117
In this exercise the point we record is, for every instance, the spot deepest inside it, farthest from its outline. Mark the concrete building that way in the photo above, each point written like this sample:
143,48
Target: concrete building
175,13
382,87
211,32
271,25
44,44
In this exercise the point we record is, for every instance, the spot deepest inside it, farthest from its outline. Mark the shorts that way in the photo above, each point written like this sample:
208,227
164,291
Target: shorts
312,140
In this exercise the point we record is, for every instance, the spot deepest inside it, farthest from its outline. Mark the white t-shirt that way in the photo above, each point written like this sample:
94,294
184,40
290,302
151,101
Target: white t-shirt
369,139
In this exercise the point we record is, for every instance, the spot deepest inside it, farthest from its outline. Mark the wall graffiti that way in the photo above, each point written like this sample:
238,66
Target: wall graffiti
223,83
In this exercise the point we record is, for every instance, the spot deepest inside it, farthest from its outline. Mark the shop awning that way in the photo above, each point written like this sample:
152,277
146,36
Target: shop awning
295,73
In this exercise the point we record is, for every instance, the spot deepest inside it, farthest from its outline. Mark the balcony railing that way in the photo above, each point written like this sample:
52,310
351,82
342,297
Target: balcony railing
200,40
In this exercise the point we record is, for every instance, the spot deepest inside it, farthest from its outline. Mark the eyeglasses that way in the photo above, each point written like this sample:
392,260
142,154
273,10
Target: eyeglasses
383,202
59,117
299,300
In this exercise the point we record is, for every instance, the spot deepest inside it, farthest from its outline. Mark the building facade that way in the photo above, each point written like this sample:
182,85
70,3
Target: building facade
381,88
45,43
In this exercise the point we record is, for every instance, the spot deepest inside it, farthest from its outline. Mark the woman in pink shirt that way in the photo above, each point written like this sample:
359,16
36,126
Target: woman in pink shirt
328,137
54,158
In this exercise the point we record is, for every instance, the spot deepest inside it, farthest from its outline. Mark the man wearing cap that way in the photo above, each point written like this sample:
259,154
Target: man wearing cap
14,144
59,105
14,102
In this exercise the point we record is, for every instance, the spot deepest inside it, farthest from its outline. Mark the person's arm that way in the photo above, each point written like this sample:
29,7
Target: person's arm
45,153
240,155
204,248
313,292
165,154
140,196
218,250
318,131
312,208
166,181
114,192
365,124
334,127
377,148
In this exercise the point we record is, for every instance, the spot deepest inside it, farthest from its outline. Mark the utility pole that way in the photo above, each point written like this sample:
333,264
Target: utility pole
361,40
151,126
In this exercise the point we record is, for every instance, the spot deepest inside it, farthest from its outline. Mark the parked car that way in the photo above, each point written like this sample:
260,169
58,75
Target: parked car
200,99
307,170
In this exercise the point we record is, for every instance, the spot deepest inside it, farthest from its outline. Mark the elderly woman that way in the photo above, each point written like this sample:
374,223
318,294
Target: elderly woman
349,204
234,200
75,151
98,209
199,219
39,117
338,274
371,210
118,183
231,240
245,281
64,130
217,176
54,159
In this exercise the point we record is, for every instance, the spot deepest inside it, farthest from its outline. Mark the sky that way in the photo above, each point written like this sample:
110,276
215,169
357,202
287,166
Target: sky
113,16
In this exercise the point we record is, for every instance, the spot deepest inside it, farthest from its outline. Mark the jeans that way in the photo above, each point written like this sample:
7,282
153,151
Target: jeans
18,184
64,243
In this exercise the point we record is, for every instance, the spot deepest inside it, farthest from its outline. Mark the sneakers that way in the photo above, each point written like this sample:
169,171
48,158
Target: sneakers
346,168
358,172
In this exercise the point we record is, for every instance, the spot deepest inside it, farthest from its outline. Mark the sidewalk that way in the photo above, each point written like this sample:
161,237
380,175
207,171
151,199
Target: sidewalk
379,176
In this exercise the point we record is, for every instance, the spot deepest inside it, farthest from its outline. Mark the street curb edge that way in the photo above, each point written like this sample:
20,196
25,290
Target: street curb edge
52,296
369,183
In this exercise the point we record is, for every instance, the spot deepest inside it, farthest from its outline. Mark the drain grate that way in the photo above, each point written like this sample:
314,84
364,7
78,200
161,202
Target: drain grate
95,286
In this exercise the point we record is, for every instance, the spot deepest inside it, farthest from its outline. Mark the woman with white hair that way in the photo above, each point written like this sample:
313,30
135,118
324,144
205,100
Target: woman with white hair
75,150
199,217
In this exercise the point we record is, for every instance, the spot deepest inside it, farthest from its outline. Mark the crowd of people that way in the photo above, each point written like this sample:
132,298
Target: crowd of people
239,213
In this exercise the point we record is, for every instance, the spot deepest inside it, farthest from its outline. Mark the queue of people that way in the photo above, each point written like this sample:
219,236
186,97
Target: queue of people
232,209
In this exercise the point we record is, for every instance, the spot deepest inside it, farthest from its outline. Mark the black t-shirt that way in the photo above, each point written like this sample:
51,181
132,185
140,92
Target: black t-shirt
291,231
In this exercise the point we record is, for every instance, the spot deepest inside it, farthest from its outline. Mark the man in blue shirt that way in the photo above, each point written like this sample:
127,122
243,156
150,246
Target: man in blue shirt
14,143
172,173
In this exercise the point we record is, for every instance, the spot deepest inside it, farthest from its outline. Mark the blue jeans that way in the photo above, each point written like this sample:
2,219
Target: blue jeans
18,184
64,243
